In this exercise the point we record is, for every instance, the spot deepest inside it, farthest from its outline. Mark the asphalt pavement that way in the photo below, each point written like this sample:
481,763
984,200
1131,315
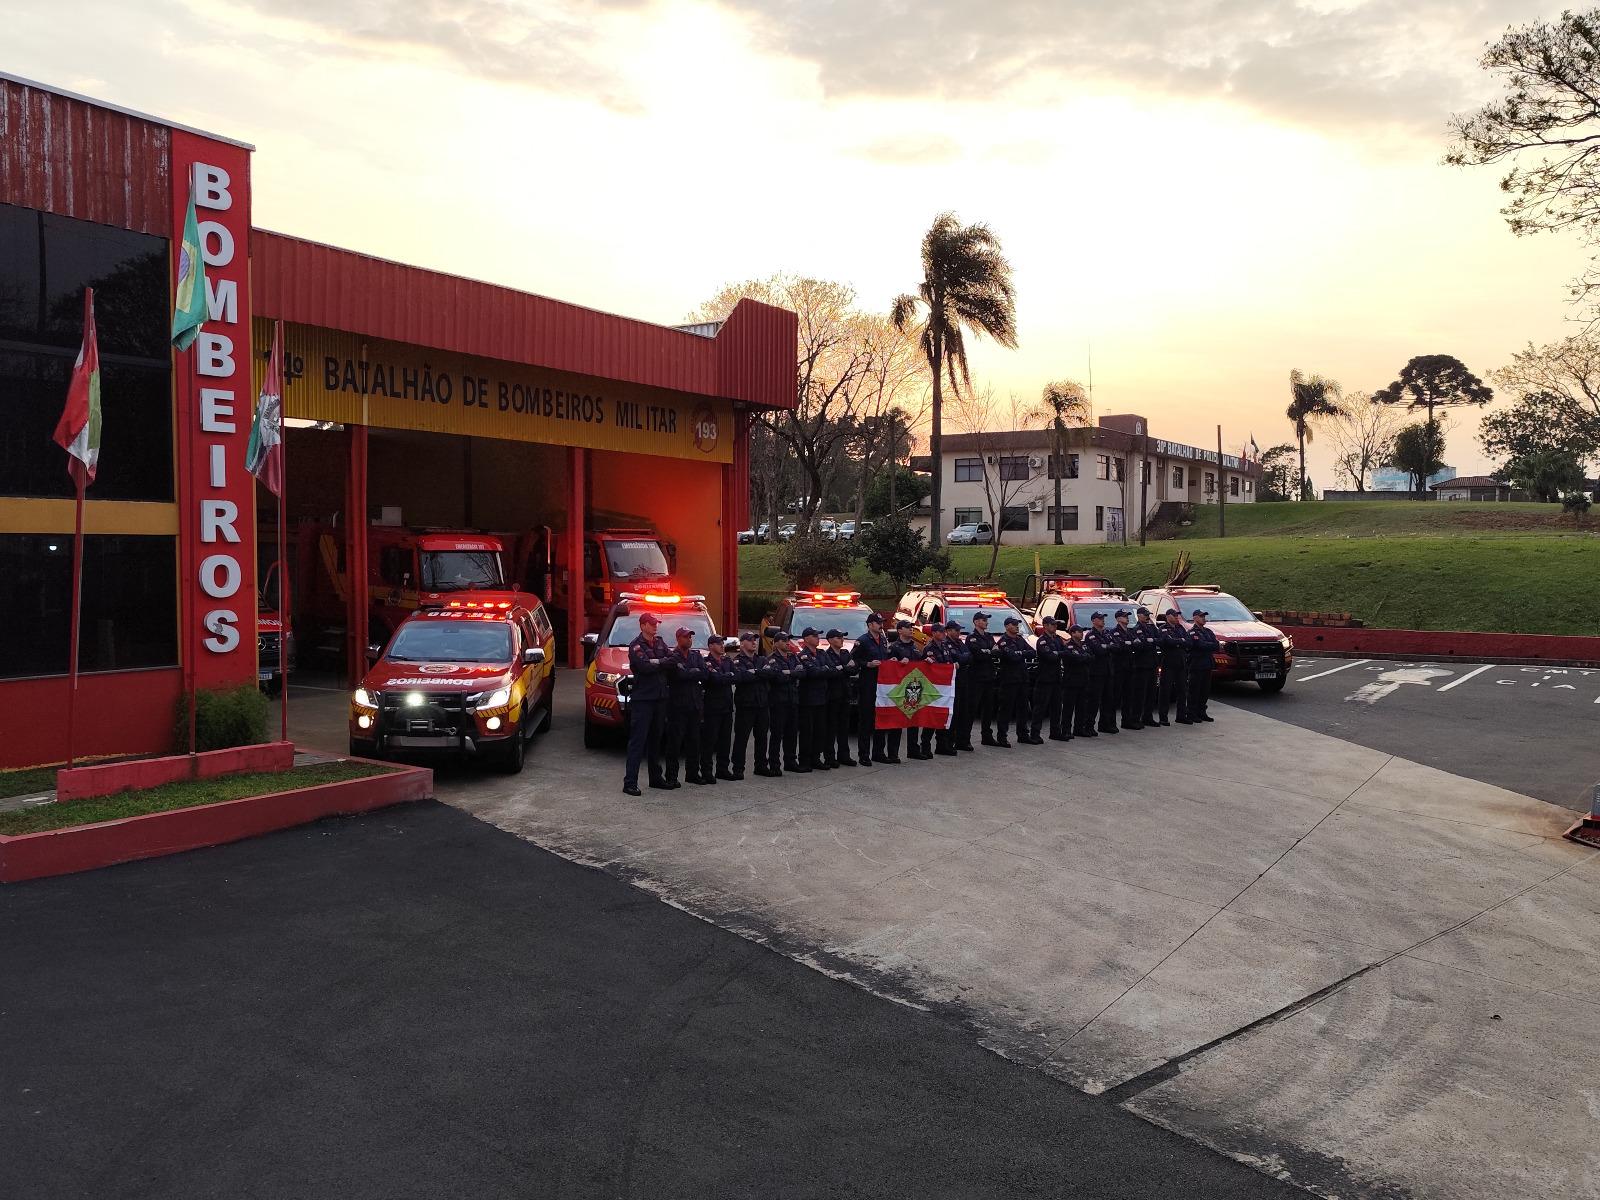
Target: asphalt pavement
414,1003
1532,729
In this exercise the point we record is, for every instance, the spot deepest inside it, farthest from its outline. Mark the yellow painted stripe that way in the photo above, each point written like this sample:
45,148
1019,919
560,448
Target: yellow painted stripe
99,516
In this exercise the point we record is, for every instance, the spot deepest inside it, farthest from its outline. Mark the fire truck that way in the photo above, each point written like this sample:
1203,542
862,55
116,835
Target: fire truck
609,677
615,560
270,654
822,610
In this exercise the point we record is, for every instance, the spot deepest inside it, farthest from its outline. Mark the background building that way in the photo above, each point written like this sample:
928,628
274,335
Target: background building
1387,479
1109,474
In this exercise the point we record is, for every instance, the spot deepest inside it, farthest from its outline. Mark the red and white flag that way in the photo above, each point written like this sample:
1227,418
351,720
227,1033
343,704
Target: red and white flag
915,694
263,458
78,430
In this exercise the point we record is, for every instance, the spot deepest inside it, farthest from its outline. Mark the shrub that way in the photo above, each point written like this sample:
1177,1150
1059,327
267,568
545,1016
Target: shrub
1576,503
891,547
810,560
223,718
754,607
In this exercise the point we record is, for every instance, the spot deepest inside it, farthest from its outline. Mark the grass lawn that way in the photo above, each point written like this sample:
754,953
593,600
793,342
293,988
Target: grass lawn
1522,584
1388,518
27,782
187,794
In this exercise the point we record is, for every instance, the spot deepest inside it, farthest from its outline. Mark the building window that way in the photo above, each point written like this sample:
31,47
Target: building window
1102,466
1065,517
1177,477
969,470
1116,469
1014,519
1249,486
1013,467
1233,485
45,263
1211,483
1056,462
130,603
1099,516
969,516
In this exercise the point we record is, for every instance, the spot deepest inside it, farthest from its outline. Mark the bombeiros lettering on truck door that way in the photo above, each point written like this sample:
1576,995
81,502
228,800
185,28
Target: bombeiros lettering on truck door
218,350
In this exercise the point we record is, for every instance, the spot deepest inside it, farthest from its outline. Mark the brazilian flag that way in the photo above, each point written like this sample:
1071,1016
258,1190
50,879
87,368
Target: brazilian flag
189,300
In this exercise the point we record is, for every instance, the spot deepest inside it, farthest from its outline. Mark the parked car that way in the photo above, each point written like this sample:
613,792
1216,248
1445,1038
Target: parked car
847,530
764,533
1249,648
786,531
973,533
827,530
747,537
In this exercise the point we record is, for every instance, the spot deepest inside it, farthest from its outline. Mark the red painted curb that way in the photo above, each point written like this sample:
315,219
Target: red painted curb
106,779
85,847
1442,644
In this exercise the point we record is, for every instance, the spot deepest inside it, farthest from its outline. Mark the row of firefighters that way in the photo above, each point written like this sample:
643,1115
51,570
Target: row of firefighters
799,705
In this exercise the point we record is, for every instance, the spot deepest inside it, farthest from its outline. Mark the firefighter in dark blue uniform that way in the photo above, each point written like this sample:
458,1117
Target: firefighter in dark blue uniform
716,723
1140,657
955,649
1148,666
903,648
647,705
841,702
961,723
1121,669
1047,682
783,730
751,700
1075,658
684,708
1174,684
1098,640
919,743
1014,652
1203,647
867,653
815,669
985,676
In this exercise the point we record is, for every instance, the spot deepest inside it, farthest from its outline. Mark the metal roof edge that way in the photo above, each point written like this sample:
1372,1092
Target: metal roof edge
118,108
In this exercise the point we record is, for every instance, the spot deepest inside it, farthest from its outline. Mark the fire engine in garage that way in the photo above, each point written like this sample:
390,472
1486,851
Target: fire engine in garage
271,656
606,683
464,676
1249,648
615,560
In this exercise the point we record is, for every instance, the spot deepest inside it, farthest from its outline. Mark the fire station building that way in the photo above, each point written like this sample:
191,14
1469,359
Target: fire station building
411,397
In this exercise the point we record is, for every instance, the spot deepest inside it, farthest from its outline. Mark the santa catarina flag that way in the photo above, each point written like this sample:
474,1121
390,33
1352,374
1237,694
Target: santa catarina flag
78,431
915,695
264,457
189,299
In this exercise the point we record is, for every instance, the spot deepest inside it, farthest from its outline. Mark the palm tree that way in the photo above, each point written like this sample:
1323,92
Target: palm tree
1061,403
1313,398
966,286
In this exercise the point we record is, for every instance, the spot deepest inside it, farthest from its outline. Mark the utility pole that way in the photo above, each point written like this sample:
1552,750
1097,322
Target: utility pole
1222,489
1144,479
894,466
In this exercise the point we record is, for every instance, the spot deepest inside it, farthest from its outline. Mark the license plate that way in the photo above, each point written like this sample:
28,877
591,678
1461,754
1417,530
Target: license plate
1266,671
263,676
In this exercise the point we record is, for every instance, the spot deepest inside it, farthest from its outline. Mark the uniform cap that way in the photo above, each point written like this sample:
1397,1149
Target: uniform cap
1013,620
716,639
952,626
1074,628
1097,616
1200,612
810,631
874,618
685,631
1172,612
649,618
904,624
1122,612
781,636
749,635
835,633
1046,621
1143,611
980,616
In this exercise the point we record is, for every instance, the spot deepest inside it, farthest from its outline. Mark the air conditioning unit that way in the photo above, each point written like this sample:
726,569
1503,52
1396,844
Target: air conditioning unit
1035,462
1035,505
989,458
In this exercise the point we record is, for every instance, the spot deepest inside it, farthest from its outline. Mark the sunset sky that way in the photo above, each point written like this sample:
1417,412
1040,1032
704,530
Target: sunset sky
1208,192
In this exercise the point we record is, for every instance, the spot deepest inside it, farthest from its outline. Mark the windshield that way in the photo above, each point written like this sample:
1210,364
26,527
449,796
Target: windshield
853,621
267,599
1218,608
1082,610
998,611
635,560
626,627
450,641
455,570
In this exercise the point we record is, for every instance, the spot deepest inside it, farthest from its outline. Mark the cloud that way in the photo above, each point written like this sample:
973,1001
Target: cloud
913,150
1405,63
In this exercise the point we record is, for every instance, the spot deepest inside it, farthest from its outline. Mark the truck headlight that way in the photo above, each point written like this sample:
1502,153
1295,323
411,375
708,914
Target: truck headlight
609,678
498,698
1286,642
364,698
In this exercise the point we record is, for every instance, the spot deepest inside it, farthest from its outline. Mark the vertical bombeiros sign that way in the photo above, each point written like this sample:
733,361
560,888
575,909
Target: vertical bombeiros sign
214,409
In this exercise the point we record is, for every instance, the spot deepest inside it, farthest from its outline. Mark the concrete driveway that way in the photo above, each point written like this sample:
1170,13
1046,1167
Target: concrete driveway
1355,972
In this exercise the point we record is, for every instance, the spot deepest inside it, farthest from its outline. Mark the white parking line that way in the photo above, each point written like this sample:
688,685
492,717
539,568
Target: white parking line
1464,678
1358,663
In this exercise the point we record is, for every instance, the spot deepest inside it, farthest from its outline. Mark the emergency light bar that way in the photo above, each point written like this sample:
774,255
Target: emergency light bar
479,605
660,598
829,597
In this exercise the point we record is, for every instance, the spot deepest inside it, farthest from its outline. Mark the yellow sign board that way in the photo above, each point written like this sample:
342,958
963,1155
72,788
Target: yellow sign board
353,380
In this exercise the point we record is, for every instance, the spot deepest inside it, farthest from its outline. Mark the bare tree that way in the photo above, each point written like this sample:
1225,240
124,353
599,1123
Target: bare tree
1363,435
1004,434
894,403
838,346
1568,369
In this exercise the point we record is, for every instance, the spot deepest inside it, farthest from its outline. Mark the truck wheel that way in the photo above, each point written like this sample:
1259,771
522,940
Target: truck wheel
360,749
1274,685
514,753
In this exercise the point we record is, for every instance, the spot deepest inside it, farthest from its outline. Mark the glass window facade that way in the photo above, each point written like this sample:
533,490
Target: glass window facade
969,470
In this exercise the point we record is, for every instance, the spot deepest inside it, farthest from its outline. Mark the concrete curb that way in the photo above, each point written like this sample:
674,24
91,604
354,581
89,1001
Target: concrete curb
86,847
1444,645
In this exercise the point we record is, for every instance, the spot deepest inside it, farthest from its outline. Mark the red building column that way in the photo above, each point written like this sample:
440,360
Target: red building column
577,474
355,553
735,515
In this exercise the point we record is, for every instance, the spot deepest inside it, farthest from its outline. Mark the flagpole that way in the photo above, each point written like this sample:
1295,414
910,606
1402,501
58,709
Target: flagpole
190,648
77,610
283,541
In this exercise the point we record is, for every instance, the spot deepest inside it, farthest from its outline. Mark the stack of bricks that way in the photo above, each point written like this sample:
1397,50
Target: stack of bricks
1341,620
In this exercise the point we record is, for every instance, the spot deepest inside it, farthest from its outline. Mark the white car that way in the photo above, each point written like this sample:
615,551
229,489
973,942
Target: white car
746,537
973,533
847,530
786,531
828,530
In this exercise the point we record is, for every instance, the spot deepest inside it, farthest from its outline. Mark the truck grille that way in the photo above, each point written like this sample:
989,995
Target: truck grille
439,712
267,649
1251,653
